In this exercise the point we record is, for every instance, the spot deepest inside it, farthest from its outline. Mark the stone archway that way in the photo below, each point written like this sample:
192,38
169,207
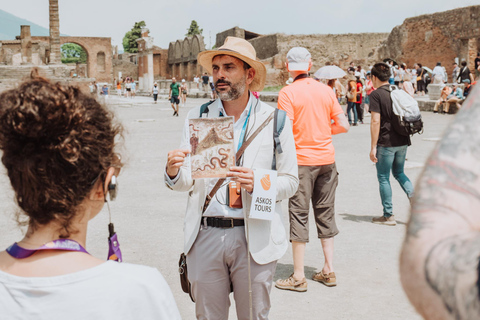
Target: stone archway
81,66
99,56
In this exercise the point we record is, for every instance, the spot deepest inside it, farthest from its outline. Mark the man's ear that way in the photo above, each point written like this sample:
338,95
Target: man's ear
310,64
250,75
286,65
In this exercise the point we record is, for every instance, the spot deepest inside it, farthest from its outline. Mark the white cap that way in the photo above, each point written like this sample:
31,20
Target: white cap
183,80
298,59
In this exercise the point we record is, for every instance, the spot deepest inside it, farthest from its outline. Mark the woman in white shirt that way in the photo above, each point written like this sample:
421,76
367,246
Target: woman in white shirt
59,152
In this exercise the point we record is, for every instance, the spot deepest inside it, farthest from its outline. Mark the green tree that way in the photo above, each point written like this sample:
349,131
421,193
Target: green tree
72,52
129,40
194,29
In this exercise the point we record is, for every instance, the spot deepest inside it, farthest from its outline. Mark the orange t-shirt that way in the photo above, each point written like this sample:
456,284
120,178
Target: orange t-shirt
311,106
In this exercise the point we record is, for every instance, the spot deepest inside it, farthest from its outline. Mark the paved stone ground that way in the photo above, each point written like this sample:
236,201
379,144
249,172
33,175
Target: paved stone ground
149,219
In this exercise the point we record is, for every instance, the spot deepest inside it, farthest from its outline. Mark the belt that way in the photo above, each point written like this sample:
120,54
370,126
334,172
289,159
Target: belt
223,222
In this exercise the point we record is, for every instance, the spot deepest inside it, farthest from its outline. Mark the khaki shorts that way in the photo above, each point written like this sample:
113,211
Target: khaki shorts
317,183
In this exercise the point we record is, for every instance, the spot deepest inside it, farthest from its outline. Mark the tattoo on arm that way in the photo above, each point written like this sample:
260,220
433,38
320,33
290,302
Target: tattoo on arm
452,175
443,175
450,267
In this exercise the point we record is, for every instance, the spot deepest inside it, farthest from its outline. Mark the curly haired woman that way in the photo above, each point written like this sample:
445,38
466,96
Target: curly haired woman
59,152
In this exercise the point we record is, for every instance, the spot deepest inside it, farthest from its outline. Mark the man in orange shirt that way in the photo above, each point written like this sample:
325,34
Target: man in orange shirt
311,106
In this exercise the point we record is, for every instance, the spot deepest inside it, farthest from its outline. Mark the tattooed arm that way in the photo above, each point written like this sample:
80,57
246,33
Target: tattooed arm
439,262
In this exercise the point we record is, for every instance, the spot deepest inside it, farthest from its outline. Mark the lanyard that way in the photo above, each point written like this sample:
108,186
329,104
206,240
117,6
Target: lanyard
244,128
60,244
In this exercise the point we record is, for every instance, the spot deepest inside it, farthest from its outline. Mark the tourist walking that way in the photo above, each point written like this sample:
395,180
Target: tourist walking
397,78
205,79
413,72
351,100
128,88
339,90
62,164
420,80
104,93
438,74
316,115
464,74
359,101
119,88
218,236
388,147
477,66
368,90
155,92
134,88
173,95
184,92
391,79
196,80
455,72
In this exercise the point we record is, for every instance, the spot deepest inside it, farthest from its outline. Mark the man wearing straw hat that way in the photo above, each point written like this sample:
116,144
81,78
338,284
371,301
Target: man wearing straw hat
225,249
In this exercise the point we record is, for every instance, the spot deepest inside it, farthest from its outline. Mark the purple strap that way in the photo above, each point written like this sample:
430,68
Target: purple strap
114,252
60,244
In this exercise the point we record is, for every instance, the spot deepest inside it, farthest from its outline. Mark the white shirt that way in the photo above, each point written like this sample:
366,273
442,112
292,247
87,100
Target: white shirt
111,290
217,206
196,79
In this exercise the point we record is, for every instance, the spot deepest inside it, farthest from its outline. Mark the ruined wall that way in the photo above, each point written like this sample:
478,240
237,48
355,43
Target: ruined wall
233,32
265,46
339,49
438,37
182,58
160,63
126,67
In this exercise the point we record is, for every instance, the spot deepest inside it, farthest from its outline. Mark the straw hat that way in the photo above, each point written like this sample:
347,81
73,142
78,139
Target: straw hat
241,49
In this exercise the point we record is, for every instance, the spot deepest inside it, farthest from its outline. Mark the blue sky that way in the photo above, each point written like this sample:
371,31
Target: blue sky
168,20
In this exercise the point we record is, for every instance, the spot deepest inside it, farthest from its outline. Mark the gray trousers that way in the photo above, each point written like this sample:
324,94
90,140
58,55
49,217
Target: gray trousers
218,258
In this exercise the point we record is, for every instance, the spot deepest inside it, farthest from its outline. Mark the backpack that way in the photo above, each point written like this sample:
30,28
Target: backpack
406,118
278,125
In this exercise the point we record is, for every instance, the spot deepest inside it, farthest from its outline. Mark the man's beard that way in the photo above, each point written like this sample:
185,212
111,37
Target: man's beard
235,92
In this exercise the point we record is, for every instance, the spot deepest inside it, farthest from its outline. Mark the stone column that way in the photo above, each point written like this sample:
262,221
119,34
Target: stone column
55,54
26,43
149,59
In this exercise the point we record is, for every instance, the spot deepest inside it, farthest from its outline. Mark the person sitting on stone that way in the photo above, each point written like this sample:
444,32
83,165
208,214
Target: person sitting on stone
446,91
455,97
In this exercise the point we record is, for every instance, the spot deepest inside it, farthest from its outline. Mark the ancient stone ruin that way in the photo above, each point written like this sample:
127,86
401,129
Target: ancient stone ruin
19,56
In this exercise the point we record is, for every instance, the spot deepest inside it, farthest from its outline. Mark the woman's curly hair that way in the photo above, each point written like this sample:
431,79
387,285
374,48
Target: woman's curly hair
56,141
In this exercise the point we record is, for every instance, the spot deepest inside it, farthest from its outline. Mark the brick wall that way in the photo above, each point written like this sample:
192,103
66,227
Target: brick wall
438,37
